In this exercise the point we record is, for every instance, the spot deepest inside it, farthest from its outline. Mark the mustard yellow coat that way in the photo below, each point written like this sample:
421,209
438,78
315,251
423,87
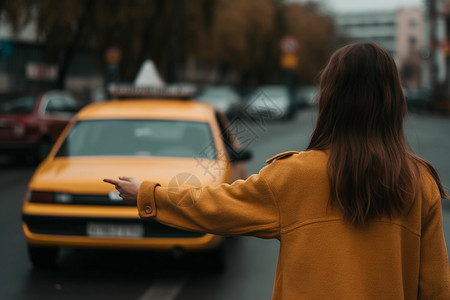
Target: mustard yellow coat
321,256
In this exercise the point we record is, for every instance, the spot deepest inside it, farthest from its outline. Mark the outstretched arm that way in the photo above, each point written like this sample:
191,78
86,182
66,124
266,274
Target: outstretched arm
246,207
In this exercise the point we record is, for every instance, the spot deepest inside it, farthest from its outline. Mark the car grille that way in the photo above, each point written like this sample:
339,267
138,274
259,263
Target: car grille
72,226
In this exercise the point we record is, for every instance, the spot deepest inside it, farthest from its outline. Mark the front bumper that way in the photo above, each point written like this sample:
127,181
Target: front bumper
64,231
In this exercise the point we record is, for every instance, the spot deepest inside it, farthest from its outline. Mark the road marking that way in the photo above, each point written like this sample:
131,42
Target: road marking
164,289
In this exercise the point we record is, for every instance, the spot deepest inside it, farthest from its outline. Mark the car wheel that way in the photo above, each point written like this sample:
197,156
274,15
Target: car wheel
43,257
217,259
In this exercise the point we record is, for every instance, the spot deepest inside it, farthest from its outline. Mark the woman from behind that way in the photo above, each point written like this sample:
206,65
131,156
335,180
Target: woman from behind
358,214
373,173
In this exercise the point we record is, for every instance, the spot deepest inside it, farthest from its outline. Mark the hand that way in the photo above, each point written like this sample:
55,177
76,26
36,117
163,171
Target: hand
128,187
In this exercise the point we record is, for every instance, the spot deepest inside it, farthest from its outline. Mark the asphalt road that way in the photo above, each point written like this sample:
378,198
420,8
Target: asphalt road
143,275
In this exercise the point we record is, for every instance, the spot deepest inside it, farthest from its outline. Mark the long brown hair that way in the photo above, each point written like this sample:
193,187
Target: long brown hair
371,168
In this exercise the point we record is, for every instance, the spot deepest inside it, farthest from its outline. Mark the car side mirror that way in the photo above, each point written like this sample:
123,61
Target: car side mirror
237,155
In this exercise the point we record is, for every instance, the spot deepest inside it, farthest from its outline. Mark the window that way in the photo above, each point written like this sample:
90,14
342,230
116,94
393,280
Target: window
139,138
412,44
413,23
60,103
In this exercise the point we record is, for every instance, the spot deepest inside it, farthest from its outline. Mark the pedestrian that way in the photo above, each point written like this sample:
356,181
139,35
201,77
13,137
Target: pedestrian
358,214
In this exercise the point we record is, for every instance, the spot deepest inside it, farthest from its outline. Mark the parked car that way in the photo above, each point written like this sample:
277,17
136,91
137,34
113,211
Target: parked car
306,96
175,142
224,98
418,98
271,102
31,122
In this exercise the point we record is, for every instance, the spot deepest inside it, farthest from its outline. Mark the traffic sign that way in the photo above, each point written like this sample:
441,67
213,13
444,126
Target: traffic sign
289,44
289,61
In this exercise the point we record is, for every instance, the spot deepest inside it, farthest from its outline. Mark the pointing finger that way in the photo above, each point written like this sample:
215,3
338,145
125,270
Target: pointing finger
111,181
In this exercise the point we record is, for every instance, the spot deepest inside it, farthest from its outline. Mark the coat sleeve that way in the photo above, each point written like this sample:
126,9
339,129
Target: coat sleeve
245,207
434,277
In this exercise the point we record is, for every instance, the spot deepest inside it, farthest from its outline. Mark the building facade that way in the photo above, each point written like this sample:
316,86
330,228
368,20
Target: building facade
401,32
25,65
378,27
411,45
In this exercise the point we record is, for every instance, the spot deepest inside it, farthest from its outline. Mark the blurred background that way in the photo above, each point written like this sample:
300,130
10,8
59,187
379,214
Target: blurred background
82,45
230,50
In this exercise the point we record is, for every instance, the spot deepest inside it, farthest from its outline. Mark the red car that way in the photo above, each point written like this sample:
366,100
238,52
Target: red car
31,122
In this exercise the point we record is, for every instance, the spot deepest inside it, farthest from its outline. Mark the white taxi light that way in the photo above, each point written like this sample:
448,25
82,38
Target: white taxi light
114,196
175,91
63,198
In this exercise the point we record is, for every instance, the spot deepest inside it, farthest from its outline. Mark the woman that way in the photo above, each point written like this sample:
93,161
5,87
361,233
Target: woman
358,215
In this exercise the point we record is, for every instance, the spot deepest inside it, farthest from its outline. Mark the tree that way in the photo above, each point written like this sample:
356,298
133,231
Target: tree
60,24
314,33
233,36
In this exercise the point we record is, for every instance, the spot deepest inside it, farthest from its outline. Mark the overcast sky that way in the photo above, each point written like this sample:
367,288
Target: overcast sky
362,5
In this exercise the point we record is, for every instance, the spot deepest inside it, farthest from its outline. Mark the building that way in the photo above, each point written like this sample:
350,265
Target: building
412,45
374,26
401,32
25,65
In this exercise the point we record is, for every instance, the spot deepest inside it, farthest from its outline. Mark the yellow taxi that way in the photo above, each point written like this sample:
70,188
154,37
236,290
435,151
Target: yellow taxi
173,141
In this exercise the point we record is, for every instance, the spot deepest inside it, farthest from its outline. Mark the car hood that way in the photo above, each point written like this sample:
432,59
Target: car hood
79,175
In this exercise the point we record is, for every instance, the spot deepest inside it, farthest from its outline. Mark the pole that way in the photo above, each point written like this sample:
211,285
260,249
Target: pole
175,42
433,42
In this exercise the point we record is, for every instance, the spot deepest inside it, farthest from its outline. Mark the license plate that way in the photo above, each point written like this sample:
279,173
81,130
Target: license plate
115,230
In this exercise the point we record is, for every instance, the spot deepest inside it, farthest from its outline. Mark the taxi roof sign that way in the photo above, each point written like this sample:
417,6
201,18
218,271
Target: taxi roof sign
171,91
148,75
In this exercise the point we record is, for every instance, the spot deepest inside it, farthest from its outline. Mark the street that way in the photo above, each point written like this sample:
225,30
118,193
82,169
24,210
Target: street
251,262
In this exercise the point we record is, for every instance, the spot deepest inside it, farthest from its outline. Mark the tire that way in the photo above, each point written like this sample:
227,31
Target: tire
217,259
43,257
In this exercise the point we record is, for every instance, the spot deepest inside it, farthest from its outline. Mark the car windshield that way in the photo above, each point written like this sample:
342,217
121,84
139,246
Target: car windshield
139,138
18,105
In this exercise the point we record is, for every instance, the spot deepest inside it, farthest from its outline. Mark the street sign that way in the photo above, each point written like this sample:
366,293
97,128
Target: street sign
41,71
289,60
289,44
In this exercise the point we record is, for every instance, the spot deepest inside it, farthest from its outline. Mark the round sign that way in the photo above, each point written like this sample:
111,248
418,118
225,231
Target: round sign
289,44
